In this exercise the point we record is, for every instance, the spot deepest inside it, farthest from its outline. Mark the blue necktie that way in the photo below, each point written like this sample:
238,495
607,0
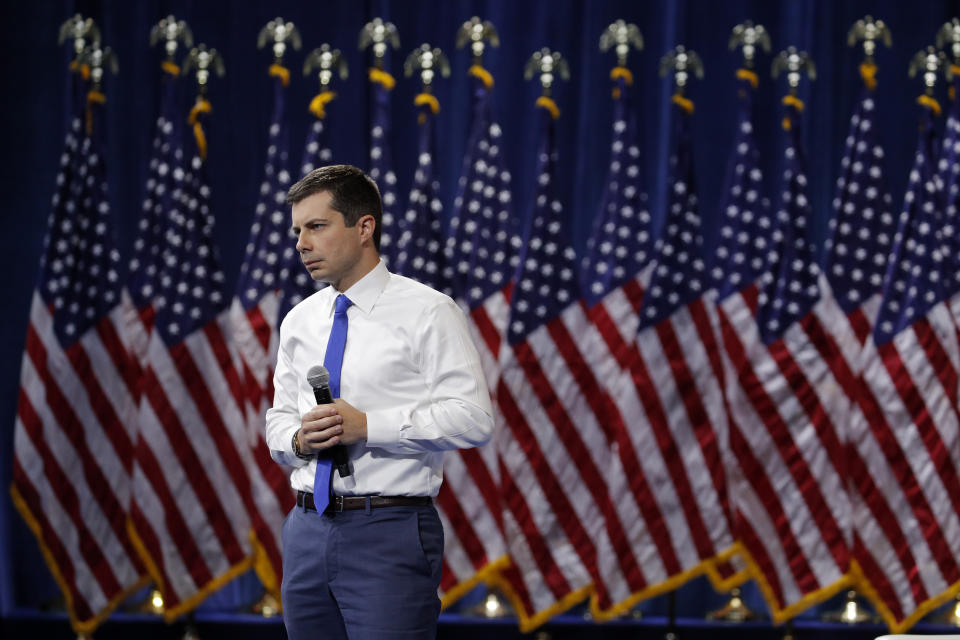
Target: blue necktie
333,361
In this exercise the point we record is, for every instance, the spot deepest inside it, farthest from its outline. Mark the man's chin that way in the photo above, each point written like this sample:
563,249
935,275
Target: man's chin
318,274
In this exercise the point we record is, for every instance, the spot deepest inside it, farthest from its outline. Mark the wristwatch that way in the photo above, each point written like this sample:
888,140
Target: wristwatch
296,448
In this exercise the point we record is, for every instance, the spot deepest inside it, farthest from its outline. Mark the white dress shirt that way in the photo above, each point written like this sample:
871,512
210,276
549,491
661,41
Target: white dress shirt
409,364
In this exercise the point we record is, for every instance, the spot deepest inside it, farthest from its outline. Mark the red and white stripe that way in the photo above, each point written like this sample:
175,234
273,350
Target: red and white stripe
667,478
193,506
555,442
256,338
789,407
469,499
954,305
608,348
73,446
905,457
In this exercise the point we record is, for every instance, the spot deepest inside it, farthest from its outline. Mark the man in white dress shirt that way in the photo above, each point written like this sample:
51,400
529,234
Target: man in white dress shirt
410,387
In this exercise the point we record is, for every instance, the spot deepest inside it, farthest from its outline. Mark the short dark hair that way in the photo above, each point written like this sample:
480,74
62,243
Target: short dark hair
352,192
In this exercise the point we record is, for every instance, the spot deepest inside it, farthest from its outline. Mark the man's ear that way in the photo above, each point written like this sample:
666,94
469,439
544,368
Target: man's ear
367,224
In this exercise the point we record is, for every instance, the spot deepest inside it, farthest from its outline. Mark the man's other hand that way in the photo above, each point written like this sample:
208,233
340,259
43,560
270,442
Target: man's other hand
328,425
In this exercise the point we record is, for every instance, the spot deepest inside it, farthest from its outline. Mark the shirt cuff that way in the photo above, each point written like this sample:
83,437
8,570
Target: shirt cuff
291,459
383,428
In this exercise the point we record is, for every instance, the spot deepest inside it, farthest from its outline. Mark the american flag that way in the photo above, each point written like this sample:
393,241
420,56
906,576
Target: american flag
552,437
863,226
613,279
905,434
787,473
192,507
479,267
613,273
746,234
296,281
420,233
316,151
862,233
746,237
949,170
271,281
163,192
381,162
667,478
74,428
622,240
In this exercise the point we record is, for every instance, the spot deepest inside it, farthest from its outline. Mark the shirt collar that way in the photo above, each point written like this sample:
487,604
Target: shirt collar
365,291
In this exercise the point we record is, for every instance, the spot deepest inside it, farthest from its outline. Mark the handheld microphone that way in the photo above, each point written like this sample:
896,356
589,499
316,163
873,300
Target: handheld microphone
319,379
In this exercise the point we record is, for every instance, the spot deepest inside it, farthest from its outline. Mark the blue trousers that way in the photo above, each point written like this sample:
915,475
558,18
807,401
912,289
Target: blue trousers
363,574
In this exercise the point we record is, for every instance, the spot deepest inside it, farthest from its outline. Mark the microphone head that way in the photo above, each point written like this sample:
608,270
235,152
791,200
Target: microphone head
318,376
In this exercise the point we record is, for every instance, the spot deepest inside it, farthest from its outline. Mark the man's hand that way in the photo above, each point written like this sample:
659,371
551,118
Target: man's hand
354,422
319,429
328,425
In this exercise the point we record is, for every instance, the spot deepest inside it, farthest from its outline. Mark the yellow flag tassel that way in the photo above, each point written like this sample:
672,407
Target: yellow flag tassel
620,72
484,75
868,72
202,106
429,100
170,68
684,103
382,78
319,103
749,76
281,72
930,103
549,105
93,96
796,103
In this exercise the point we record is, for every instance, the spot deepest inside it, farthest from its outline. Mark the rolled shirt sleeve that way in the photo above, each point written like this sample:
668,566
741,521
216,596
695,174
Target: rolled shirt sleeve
283,419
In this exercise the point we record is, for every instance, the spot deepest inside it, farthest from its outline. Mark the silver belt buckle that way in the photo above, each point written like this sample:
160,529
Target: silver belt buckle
338,503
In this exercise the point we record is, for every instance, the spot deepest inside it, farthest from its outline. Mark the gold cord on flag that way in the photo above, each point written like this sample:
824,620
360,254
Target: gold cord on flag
479,72
868,71
549,105
382,78
319,103
202,106
796,103
93,96
749,76
429,100
170,68
83,69
281,72
684,103
930,103
620,72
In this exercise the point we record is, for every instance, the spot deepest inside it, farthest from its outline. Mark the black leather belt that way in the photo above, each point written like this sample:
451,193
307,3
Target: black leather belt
350,503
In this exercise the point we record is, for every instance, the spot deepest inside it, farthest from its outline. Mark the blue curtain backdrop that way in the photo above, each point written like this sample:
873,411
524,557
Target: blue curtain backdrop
34,114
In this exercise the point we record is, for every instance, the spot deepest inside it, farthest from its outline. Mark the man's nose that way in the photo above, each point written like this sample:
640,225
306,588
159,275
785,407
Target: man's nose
301,241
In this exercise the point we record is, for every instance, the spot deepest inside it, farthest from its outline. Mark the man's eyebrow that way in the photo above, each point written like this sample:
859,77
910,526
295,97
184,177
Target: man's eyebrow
295,228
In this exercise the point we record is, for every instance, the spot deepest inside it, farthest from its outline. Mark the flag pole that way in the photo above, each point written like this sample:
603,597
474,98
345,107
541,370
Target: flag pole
479,268
380,37
867,31
749,38
279,35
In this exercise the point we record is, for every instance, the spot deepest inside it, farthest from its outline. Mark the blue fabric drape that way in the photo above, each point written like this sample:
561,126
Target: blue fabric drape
36,95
